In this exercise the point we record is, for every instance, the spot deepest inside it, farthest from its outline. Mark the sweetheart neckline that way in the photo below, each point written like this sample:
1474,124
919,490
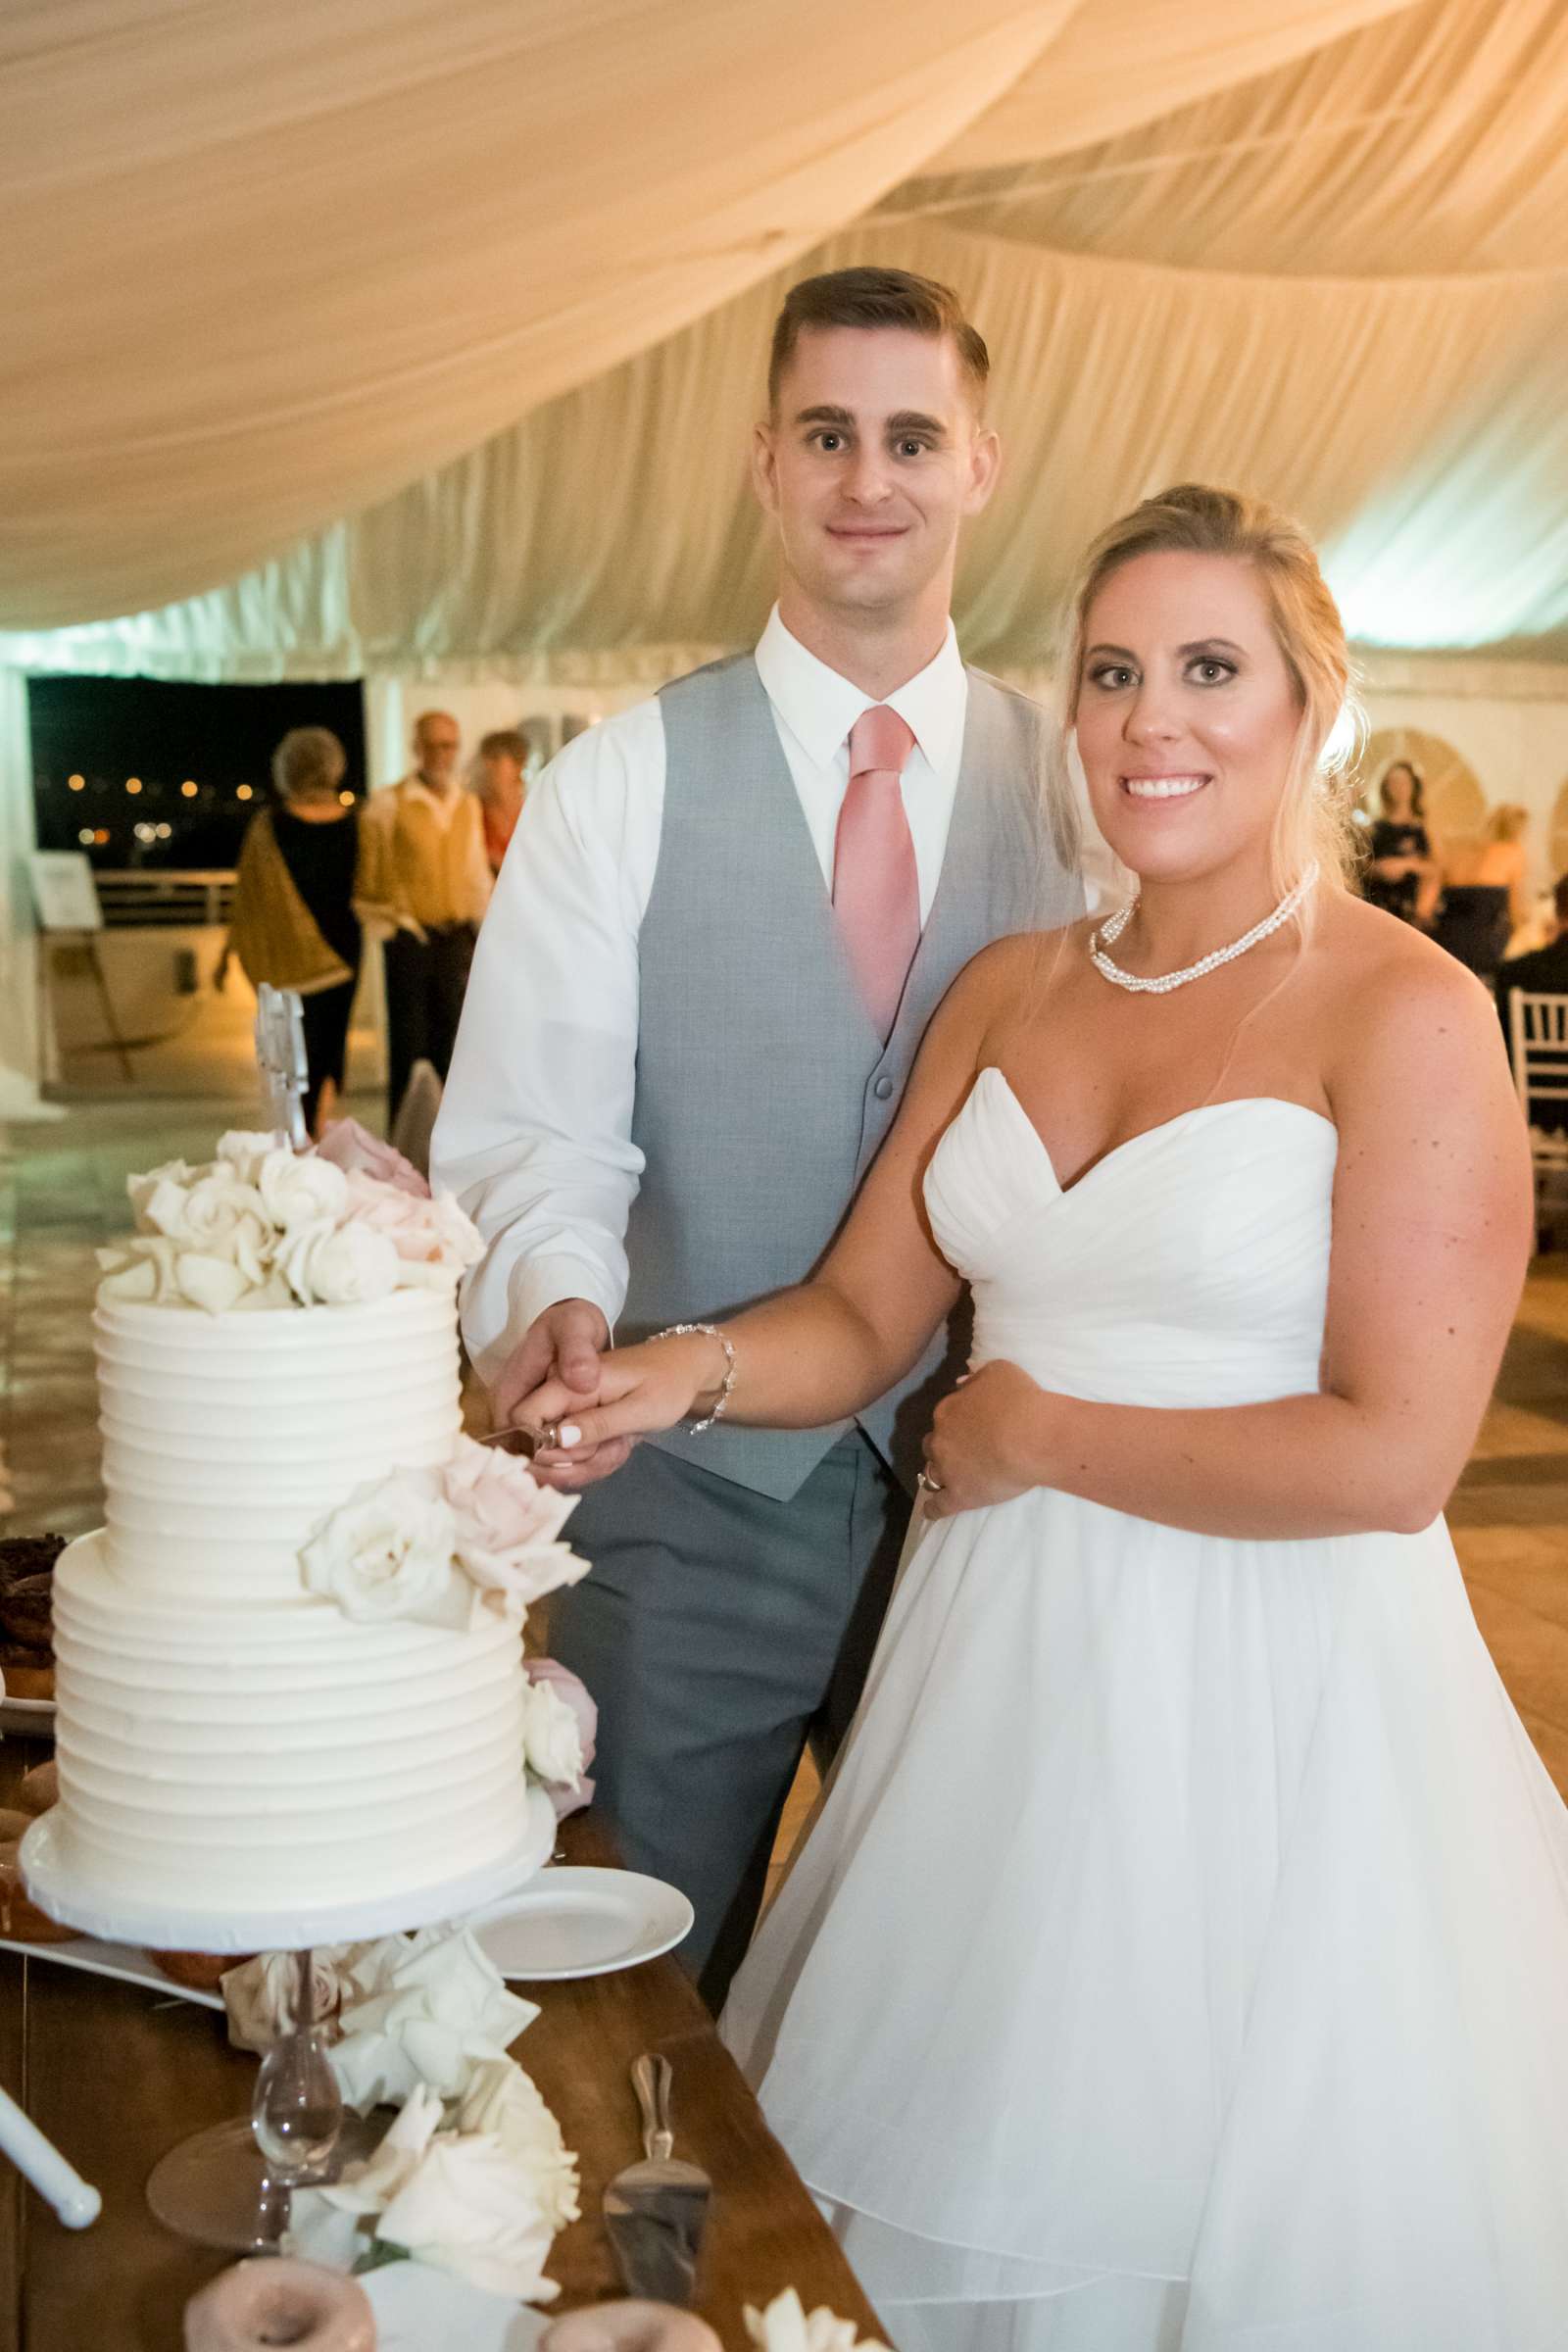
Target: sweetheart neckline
1179,1118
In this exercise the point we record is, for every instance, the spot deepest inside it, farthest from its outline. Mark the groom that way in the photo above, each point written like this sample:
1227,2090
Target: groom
724,922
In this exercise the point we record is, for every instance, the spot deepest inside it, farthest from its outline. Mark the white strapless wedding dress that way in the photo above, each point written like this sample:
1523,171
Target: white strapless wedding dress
1180,1960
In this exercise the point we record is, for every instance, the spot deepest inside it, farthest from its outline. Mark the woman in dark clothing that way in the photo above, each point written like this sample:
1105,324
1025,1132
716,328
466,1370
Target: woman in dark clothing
1405,874
1486,895
294,923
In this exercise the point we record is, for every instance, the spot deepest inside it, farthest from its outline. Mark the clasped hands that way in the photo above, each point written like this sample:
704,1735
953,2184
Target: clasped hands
564,1376
986,1443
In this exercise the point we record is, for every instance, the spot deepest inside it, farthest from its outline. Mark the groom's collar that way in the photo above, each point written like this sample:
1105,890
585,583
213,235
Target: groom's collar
820,707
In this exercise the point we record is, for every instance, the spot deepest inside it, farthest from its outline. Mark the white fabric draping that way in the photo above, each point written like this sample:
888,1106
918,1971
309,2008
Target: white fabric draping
1157,57
259,265
611,533
263,268
1431,142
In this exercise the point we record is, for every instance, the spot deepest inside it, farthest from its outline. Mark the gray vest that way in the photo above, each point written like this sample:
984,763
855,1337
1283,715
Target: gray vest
763,1088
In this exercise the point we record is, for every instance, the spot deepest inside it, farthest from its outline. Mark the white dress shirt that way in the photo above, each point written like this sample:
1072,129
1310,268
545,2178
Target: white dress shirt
534,1136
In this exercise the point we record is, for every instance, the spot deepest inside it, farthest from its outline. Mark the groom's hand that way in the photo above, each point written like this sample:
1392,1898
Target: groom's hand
567,1343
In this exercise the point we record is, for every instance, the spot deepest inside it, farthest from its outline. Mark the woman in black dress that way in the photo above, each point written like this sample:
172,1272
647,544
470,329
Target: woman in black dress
1403,875
1487,895
294,923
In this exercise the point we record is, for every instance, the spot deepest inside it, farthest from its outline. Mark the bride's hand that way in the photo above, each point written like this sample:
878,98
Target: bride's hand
986,1443
641,1390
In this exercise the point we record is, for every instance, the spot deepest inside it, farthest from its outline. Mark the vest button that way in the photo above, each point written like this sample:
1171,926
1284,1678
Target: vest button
882,1088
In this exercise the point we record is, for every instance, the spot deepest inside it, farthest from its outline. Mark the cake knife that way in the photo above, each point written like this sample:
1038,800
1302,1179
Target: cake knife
655,2211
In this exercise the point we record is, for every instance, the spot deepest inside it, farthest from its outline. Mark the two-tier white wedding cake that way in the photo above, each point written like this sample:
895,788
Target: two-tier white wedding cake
289,1667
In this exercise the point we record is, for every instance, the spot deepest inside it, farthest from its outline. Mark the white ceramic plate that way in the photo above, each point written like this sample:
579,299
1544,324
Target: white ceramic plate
35,1715
120,1960
572,1922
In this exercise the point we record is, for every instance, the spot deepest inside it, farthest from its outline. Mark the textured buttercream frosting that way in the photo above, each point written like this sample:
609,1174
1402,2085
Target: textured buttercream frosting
226,1738
228,1438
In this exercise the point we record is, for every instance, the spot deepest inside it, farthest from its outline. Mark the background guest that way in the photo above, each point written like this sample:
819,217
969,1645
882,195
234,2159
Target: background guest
294,920
1541,974
1486,894
1404,872
425,883
503,757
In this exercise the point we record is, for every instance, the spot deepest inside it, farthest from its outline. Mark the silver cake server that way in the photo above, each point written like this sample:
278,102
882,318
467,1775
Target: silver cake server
655,2211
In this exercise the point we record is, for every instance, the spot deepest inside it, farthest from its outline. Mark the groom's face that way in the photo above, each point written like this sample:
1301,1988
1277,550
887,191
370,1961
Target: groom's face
871,460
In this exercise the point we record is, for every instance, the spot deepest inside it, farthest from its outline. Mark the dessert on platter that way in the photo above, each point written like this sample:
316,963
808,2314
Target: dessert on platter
26,1639
289,1667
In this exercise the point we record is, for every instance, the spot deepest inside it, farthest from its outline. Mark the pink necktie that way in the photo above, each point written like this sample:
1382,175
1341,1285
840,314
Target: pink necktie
876,889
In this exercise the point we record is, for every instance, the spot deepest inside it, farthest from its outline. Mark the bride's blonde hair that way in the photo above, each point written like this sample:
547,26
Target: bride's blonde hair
1314,811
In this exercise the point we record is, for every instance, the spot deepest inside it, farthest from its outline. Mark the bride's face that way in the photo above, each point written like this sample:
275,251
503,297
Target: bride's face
1187,715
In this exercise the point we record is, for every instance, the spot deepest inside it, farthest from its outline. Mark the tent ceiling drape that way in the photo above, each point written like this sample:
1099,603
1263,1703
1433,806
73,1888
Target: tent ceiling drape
1429,143
276,262
415,336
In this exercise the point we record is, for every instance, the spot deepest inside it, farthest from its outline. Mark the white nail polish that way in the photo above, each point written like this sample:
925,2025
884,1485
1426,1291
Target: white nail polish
570,1433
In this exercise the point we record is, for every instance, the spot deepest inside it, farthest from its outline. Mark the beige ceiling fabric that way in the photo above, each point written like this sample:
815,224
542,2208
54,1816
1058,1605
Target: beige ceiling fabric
261,266
1429,144
1419,430
410,336
1115,67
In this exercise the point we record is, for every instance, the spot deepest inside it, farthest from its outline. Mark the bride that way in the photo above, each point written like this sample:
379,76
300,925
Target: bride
1179,1961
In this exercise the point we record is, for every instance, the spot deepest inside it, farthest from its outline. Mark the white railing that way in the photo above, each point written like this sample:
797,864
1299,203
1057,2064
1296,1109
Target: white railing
166,899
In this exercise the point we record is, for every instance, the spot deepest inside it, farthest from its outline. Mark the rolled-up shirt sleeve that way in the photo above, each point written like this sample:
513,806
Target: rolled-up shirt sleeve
534,1133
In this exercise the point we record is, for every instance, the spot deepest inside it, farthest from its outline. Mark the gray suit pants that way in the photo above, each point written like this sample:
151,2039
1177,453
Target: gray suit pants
719,1631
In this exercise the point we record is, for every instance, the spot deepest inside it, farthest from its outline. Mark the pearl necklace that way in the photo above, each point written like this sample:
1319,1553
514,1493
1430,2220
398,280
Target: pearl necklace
1107,933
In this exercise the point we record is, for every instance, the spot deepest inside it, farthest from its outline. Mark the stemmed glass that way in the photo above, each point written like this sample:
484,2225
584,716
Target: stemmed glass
297,2112
231,2185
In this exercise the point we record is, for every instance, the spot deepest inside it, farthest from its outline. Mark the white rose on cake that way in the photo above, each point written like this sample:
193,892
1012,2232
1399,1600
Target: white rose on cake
214,1211
153,1270
387,1553
142,1271
141,1188
301,1189
215,1284
243,1150
508,1525
337,1265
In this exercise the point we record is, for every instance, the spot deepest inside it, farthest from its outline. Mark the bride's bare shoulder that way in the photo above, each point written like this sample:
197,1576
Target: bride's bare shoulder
992,978
1363,949
1394,1001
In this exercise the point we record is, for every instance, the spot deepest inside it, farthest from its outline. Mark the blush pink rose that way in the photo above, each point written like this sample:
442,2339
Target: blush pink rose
508,1525
357,1153
424,1231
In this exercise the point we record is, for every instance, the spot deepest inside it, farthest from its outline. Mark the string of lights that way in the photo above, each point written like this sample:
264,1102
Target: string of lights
141,773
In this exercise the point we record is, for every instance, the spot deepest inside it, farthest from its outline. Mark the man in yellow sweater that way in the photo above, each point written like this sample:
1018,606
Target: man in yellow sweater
425,882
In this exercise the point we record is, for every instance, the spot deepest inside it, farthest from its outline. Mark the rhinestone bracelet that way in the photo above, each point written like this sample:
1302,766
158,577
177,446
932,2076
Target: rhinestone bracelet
709,1331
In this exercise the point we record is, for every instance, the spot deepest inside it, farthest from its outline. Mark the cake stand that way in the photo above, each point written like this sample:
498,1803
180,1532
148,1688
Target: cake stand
229,2185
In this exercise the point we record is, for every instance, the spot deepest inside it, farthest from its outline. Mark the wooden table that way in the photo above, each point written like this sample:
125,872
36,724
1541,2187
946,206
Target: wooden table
116,2079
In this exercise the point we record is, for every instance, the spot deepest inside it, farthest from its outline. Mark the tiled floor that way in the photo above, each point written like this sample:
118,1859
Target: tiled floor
62,1193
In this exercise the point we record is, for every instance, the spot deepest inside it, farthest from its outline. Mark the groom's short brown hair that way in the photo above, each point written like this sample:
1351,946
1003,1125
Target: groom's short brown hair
874,297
